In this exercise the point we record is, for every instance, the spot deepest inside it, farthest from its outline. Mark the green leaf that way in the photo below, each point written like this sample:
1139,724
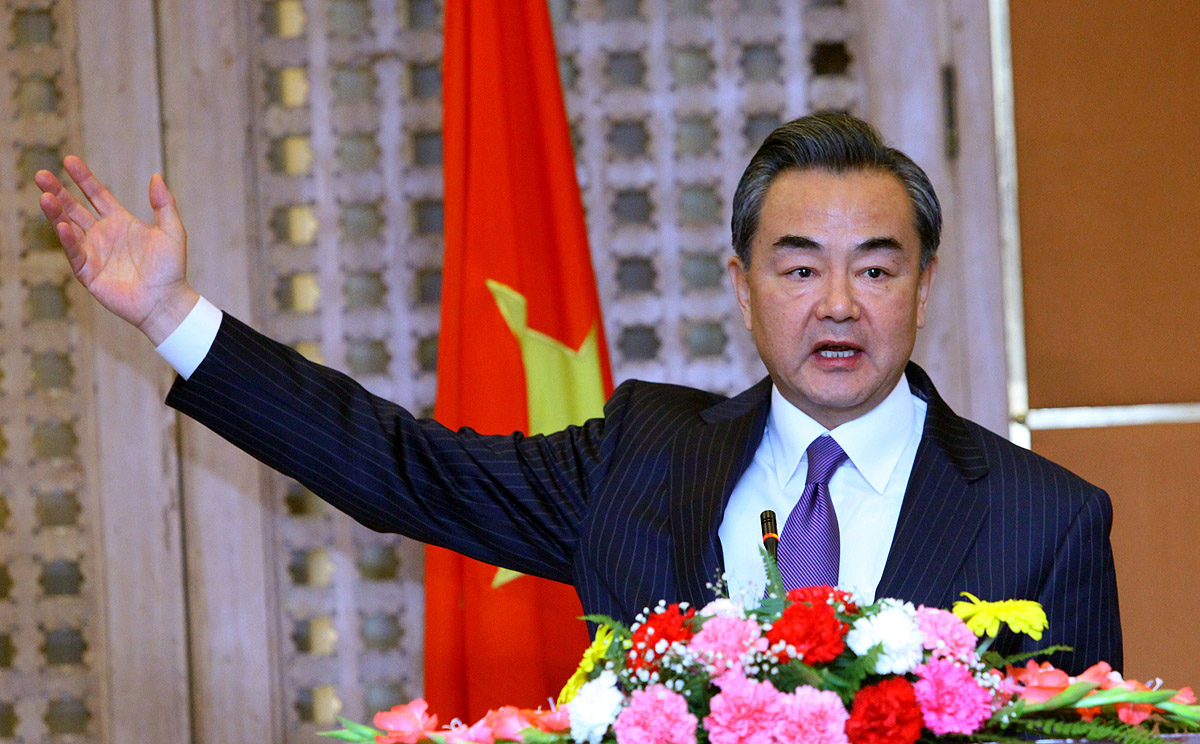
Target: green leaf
787,677
358,727
534,735
343,735
1064,699
352,731
1121,733
1187,713
616,649
769,609
1115,695
619,628
992,659
774,578
858,668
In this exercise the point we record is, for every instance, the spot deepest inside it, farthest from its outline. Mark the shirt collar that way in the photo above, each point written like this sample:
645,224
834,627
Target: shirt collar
873,441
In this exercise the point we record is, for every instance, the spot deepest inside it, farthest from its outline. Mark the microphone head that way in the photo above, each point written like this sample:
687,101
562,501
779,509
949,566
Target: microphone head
770,532
767,520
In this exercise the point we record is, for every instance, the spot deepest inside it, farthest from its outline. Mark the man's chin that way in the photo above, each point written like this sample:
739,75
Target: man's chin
831,407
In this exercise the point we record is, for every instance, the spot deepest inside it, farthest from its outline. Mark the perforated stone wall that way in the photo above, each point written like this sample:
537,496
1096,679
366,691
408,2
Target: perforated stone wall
50,642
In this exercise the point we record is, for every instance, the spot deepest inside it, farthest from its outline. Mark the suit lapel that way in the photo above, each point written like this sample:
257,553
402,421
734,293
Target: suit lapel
941,514
706,462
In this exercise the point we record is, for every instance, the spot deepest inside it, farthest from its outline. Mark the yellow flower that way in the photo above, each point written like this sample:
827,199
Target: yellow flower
595,653
1021,615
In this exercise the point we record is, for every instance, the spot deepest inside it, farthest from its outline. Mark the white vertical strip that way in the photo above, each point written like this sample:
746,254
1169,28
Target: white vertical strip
1010,233
975,228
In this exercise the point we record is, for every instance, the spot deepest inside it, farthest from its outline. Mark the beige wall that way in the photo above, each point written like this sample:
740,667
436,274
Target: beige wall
1107,108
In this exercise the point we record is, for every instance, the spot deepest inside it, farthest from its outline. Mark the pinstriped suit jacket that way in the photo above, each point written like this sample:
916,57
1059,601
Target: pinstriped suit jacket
626,508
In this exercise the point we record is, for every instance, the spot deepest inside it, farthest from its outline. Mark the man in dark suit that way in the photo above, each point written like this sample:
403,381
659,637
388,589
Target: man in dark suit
836,237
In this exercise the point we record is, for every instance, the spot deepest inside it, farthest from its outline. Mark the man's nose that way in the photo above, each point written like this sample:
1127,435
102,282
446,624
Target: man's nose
838,302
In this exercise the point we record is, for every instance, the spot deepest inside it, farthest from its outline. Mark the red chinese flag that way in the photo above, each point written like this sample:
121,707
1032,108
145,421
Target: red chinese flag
521,346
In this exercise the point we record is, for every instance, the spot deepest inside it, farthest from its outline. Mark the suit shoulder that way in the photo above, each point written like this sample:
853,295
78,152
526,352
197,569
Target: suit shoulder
1028,469
659,399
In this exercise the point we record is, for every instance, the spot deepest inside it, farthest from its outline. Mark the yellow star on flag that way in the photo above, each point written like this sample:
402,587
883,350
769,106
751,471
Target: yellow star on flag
563,385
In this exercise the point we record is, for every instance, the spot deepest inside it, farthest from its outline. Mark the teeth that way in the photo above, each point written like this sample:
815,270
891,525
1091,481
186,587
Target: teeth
828,354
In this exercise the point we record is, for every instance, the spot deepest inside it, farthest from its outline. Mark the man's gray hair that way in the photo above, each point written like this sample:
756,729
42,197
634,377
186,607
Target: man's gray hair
839,143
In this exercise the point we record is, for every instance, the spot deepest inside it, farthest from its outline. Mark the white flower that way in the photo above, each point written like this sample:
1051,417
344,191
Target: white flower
723,607
895,627
595,708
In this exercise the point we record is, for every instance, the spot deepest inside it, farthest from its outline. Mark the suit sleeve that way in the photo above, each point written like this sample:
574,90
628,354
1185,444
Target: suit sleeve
512,501
1081,592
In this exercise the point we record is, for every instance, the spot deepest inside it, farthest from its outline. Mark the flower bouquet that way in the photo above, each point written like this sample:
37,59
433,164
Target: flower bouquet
812,665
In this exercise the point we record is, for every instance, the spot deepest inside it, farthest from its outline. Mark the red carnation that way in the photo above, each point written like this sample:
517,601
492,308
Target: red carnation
822,593
885,713
812,628
667,625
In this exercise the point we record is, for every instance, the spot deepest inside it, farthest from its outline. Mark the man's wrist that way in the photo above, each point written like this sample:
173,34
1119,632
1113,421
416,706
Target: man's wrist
188,344
165,318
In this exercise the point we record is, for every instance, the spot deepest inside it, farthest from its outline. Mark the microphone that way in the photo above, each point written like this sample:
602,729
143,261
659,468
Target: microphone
770,531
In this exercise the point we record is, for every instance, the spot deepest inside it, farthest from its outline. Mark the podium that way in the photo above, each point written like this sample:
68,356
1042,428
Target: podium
1173,738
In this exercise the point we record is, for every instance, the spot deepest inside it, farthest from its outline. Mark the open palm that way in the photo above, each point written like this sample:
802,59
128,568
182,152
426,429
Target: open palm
135,269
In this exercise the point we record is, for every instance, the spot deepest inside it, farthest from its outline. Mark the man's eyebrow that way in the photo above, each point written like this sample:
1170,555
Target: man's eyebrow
796,241
802,242
880,244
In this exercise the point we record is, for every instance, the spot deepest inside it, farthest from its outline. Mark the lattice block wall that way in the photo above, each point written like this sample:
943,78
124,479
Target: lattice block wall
50,642
667,99
349,154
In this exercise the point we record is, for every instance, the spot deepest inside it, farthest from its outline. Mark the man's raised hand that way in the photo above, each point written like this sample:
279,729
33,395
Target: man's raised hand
136,270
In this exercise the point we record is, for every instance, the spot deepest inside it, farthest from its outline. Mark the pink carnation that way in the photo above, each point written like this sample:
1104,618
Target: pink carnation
655,715
722,641
744,712
812,716
951,701
405,724
945,634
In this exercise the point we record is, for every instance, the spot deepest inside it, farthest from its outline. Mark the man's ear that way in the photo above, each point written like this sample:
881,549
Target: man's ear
741,287
925,283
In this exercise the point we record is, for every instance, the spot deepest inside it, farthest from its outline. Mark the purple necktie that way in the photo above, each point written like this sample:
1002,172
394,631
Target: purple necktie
810,545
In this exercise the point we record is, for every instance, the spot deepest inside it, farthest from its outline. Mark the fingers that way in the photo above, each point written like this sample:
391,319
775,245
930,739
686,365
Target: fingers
70,238
68,205
47,181
66,229
100,197
52,208
166,215
68,233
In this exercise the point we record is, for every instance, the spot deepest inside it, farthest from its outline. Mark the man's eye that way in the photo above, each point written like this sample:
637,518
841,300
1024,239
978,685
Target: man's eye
874,273
803,272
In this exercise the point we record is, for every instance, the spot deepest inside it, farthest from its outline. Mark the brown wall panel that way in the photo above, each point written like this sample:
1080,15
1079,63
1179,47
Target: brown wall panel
1107,106
1152,474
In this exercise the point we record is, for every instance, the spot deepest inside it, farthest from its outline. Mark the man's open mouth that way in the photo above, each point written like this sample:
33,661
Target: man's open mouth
836,351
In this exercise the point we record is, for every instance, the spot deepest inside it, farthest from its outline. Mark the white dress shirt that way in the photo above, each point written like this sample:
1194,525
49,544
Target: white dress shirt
867,489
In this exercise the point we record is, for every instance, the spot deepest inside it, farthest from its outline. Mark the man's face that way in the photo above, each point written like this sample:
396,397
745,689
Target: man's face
834,293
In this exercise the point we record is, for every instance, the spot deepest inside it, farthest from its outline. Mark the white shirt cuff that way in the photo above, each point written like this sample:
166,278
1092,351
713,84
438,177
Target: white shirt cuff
188,344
